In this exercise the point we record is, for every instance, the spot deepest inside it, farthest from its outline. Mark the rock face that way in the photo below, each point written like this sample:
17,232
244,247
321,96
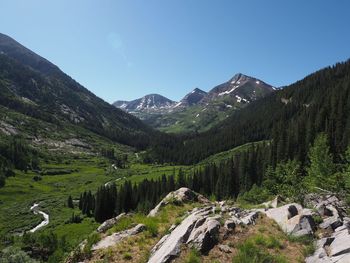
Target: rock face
205,237
109,223
336,246
293,219
169,246
181,195
117,237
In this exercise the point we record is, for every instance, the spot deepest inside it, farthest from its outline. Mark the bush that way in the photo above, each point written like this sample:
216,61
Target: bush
256,195
15,255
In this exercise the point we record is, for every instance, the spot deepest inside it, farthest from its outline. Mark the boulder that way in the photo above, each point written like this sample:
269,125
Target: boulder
169,246
292,219
340,244
230,224
206,236
181,195
118,237
331,222
109,223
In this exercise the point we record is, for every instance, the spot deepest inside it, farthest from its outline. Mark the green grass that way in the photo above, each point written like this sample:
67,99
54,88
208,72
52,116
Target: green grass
193,257
255,250
87,173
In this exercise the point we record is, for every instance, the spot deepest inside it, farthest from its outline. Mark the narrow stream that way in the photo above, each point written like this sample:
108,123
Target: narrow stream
36,211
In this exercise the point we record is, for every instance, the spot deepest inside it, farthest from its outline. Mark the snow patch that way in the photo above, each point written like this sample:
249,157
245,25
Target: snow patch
239,99
230,91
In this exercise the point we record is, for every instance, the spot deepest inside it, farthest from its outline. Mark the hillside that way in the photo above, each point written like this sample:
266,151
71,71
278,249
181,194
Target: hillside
35,87
291,117
198,111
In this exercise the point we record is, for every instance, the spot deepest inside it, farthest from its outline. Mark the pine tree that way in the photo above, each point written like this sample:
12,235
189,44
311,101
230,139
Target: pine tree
70,202
321,163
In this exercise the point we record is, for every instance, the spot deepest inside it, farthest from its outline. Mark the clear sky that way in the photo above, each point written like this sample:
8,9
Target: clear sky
126,49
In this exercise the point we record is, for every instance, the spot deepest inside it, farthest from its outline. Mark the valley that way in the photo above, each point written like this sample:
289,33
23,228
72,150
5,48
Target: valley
242,173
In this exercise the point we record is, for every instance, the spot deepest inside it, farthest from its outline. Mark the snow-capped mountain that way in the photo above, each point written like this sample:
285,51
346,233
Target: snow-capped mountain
148,103
198,110
241,88
192,98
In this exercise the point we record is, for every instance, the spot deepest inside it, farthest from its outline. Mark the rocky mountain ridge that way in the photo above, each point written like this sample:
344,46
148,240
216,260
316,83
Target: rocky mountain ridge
197,109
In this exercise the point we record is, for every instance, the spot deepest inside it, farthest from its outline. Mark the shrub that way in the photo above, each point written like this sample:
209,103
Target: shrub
15,255
193,257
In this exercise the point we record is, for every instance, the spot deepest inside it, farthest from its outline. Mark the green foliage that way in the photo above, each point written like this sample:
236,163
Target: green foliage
256,195
307,241
251,251
284,180
193,257
15,255
321,164
70,202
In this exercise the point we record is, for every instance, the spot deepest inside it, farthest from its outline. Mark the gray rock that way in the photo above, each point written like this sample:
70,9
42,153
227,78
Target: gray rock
118,237
206,236
169,246
340,245
225,248
109,223
292,219
181,195
332,222
230,224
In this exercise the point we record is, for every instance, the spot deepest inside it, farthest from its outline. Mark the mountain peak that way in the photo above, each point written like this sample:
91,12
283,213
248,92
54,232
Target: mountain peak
192,98
149,102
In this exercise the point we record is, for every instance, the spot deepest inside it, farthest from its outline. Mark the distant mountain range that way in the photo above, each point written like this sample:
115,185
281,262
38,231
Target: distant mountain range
198,110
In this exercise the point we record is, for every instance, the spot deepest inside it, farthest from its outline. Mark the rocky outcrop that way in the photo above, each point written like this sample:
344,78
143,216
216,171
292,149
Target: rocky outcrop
169,246
293,219
335,247
118,237
205,237
179,196
109,223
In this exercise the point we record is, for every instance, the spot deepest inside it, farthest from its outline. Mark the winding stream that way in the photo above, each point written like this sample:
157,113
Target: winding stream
36,211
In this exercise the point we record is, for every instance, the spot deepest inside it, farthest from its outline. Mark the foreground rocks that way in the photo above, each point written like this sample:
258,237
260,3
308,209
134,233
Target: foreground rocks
293,219
181,195
194,228
334,246
118,237
206,227
110,223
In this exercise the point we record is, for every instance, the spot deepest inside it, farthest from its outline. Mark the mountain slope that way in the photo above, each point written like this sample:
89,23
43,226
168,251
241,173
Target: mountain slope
192,98
291,117
33,86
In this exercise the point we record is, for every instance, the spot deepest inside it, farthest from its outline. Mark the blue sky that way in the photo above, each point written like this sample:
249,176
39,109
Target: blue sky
126,49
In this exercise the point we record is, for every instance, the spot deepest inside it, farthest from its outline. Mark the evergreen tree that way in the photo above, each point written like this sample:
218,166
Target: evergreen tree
321,163
70,202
